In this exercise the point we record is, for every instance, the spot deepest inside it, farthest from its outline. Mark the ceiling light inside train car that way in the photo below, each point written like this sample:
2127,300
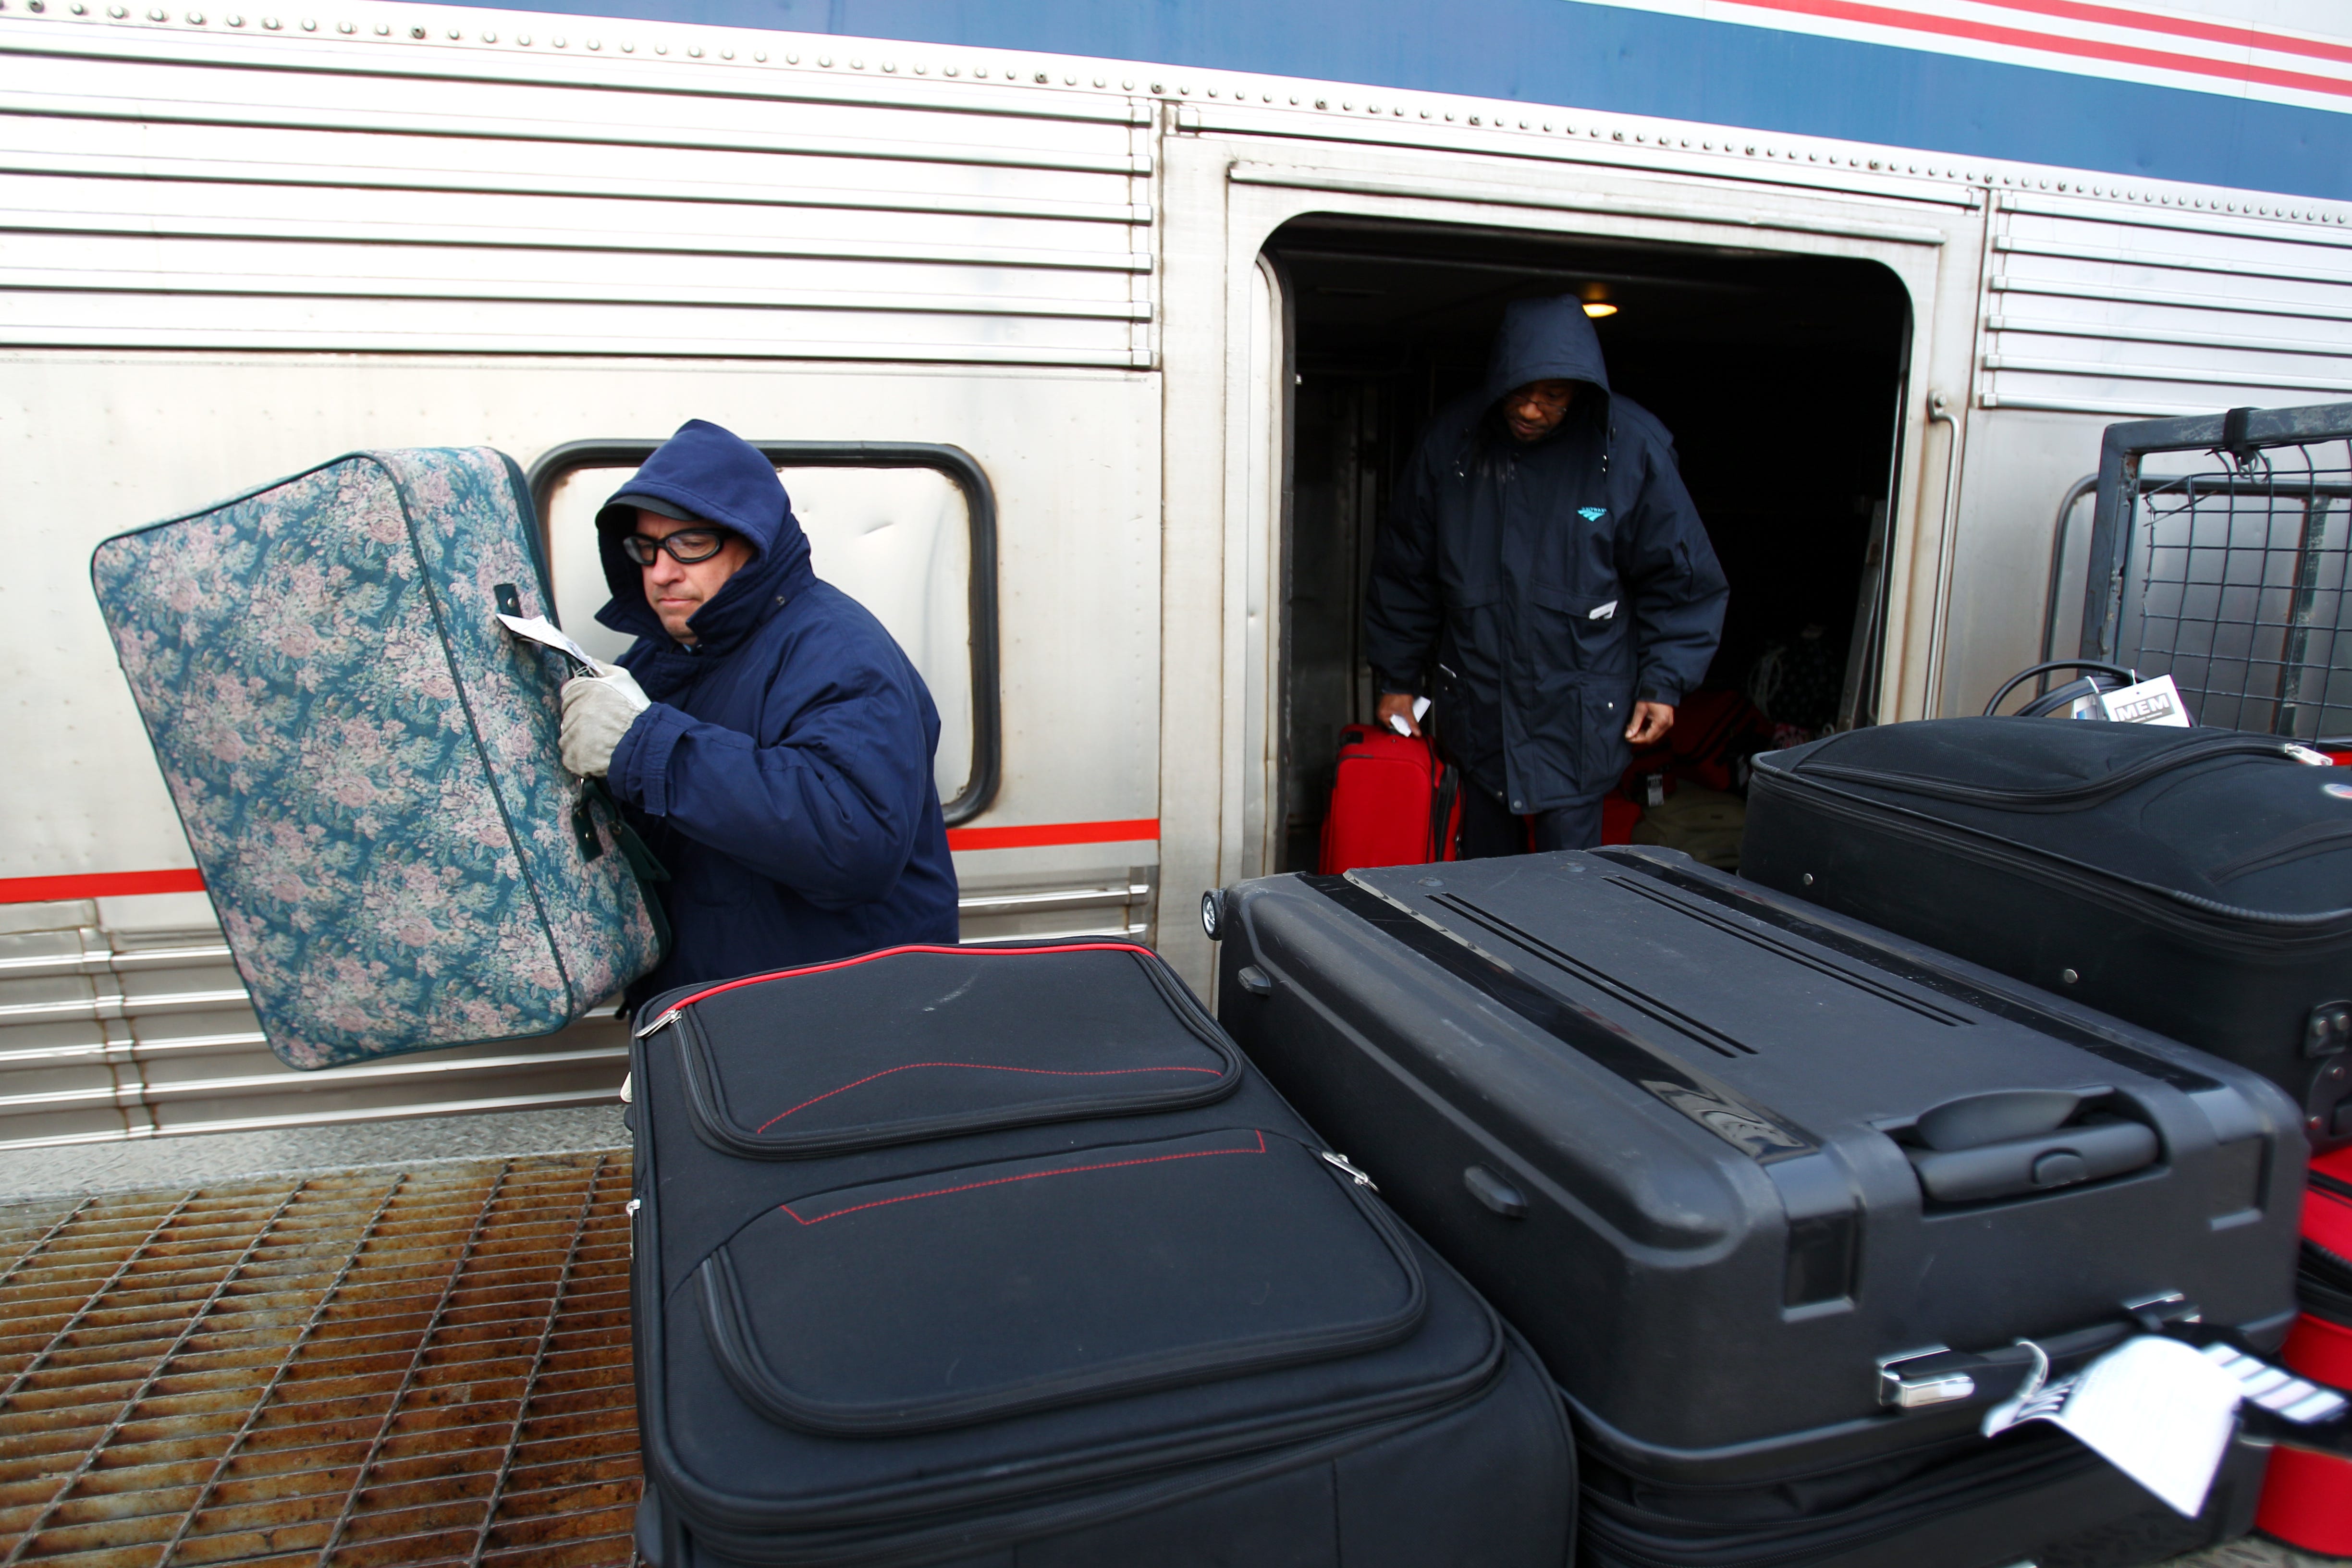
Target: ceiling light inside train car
1596,308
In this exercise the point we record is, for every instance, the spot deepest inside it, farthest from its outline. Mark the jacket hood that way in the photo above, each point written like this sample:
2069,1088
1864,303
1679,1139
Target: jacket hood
715,475
1544,340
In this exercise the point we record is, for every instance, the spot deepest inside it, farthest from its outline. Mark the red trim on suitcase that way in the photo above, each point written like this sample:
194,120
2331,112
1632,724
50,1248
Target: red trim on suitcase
2328,1221
680,1005
978,1066
1027,1176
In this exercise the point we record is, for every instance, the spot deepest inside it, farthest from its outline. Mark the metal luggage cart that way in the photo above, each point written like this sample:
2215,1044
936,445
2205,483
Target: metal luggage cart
2230,577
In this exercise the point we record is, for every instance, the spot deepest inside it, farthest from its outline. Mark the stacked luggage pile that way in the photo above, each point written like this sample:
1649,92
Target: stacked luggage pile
1776,1211
1597,1205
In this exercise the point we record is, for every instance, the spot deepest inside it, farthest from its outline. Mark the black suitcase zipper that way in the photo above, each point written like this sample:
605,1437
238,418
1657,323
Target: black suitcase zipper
727,1318
956,1534
711,1124
785,1534
1707,1544
2059,797
1068,1495
2170,908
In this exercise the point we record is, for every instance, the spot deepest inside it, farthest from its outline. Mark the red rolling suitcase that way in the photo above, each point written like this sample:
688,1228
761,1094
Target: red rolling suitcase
2307,1497
1393,803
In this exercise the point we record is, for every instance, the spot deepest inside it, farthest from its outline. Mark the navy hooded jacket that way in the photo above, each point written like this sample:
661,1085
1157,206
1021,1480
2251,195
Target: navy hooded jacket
1536,590
783,773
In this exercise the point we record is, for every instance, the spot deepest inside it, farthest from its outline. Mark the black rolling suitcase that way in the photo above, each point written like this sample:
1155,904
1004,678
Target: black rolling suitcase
1773,1194
1003,1255
2195,881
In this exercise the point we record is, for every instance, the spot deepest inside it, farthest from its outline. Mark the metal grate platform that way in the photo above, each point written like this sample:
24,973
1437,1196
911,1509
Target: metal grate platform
365,1368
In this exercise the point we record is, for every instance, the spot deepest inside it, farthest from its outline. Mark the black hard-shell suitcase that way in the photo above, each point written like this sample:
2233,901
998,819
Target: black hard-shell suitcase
1774,1194
1003,1255
2195,881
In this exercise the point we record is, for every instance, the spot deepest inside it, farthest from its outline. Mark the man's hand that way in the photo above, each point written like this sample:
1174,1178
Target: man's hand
1397,705
597,711
1650,722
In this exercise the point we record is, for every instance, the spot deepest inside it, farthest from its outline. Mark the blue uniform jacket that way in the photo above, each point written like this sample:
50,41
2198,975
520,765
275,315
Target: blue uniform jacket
783,773
1534,592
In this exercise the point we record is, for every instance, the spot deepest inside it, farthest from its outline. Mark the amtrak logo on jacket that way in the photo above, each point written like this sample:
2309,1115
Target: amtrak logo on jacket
1593,514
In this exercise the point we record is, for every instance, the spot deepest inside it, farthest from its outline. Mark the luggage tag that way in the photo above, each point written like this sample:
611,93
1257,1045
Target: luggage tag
2163,1410
2156,701
546,633
1420,711
2156,1409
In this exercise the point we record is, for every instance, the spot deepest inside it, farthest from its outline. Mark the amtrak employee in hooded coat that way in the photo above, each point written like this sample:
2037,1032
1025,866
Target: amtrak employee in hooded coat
1545,581
765,734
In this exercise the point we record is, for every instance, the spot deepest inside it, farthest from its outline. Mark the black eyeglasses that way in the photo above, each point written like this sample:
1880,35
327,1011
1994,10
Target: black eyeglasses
685,547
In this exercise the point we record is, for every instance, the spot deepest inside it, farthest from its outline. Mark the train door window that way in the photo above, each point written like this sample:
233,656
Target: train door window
909,531
1780,378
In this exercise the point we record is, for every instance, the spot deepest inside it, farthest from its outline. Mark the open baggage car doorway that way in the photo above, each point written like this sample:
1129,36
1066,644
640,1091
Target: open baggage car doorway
1781,377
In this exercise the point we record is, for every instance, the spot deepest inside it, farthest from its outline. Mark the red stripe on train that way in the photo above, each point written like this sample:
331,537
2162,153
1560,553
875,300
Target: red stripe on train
2232,33
119,884
99,885
1883,15
1049,833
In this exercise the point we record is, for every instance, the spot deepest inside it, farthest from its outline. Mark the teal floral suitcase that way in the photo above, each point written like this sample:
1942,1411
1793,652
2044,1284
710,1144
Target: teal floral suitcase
365,759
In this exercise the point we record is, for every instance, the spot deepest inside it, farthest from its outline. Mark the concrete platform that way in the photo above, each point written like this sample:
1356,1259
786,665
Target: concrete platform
197,1159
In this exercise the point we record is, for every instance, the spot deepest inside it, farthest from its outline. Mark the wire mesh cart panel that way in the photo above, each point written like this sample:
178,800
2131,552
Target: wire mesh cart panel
2230,576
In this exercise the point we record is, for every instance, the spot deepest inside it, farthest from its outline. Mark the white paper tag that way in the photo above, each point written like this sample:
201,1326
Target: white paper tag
540,630
1420,711
1604,612
2154,701
2156,1409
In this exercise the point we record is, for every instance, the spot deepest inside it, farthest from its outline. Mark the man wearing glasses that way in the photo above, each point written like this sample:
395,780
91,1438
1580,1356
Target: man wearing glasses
1544,579
765,734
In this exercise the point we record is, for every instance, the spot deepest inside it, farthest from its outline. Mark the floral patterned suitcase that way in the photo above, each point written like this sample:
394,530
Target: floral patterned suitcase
365,759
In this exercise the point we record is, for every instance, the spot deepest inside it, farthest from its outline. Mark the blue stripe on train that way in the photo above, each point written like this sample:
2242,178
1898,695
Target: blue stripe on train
1628,62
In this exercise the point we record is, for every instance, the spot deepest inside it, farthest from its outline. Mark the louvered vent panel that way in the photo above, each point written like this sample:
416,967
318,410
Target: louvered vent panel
378,199
107,1036
2115,309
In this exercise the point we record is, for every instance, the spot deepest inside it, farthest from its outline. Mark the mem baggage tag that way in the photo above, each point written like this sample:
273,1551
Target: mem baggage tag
2154,701
2160,1411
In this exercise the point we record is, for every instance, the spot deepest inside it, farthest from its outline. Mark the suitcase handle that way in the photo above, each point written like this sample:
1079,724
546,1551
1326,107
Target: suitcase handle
2091,1152
2011,1142
2042,703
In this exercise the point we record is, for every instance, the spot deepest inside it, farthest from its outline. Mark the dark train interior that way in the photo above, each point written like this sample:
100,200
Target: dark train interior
1780,378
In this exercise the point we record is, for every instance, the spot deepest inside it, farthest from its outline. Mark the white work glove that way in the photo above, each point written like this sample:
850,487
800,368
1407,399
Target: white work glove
597,711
